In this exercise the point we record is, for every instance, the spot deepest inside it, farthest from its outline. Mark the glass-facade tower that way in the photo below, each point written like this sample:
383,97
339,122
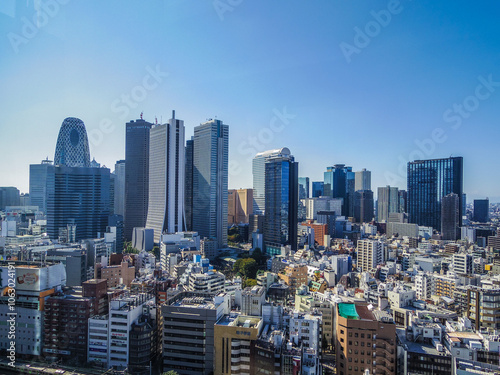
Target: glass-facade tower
210,180
136,175
428,182
259,177
304,187
188,186
281,204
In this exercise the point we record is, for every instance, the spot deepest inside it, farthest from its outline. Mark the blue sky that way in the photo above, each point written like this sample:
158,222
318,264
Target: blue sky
367,84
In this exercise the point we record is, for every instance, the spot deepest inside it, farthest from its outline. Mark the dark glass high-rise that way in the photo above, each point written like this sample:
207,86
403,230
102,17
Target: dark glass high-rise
428,182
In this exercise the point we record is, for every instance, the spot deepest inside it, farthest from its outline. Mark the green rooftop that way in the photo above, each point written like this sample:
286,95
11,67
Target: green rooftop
348,311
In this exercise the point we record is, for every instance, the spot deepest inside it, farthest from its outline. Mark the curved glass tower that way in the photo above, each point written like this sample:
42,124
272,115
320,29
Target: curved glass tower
72,148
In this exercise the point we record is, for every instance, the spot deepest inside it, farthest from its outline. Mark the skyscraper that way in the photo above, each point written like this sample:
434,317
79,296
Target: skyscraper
188,185
304,187
72,148
240,205
9,196
403,201
38,184
259,179
136,175
363,206
450,209
350,198
336,184
119,193
166,178
363,180
210,179
317,189
76,194
428,182
281,204
482,210
387,202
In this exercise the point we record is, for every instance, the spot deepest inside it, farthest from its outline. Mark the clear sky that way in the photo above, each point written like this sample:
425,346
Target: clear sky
369,84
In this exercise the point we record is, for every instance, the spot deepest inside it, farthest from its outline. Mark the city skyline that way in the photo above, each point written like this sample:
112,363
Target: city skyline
327,88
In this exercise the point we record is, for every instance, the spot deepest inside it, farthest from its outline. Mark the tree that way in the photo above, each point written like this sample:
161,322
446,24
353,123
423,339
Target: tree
247,267
259,256
156,252
249,283
129,249
171,372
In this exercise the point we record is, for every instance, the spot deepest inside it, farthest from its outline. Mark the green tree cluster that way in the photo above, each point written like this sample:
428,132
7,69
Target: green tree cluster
247,267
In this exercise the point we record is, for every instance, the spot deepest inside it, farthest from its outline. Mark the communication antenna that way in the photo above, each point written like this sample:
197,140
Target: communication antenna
142,114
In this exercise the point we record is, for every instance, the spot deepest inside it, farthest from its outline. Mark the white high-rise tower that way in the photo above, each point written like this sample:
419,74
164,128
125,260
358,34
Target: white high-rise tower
166,178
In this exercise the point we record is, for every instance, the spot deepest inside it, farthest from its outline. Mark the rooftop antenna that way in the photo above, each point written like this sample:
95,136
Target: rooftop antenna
156,120
142,114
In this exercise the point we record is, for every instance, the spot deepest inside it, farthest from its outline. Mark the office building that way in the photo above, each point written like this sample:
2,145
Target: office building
235,337
336,185
136,175
122,274
363,206
125,311
188,185
428,182
210,179
259,177
33,284
371,253
9,196
350,198
72,147
482,210
166,178
387,202
78,197
363,180
450,220
317,189
403,201
304,188
420,357
119,191
365,340
318,204
240,206
189,319
38,184
281,203
252,299
206,282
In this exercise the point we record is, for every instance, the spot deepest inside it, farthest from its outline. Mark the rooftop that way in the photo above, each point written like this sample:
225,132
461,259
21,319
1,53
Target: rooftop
415,347
196,302
236,320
